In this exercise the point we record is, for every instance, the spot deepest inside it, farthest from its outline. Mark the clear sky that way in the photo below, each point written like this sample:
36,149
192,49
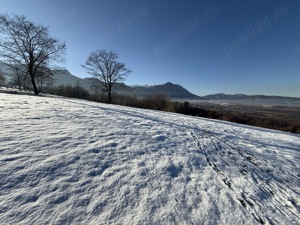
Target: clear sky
228,46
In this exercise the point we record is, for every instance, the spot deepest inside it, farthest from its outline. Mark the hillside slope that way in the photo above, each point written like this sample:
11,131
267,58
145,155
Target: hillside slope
66,161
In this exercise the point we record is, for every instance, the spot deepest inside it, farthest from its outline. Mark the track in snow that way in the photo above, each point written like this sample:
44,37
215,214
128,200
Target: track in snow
259,189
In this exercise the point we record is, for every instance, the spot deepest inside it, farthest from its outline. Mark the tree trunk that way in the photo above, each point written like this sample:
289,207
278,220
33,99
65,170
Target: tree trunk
35,89
109,96
19,84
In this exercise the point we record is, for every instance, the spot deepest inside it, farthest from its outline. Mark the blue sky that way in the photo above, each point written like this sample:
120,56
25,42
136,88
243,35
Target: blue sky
250,47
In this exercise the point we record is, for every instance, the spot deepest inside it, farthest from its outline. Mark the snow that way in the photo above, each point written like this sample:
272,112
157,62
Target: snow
67,161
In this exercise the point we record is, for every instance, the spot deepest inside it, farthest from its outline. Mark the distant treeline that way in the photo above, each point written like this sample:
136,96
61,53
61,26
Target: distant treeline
162,103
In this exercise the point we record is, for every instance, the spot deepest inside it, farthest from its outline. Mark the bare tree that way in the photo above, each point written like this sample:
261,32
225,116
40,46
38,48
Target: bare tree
28,45
104,66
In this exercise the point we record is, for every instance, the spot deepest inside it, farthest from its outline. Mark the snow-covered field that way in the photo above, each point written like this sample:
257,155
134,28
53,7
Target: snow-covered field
67,161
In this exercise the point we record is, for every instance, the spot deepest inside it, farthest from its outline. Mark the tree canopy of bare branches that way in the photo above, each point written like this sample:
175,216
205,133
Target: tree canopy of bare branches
104,66
24,44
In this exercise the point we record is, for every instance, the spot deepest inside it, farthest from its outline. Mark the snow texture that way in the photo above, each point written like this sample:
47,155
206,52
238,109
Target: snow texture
67,161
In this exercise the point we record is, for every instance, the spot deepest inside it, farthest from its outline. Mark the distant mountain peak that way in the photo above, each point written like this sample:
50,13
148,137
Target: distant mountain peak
173,91
169,83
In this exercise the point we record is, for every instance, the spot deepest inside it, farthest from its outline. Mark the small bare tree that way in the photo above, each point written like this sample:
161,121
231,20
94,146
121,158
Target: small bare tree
18,77
44,77
28,45
104,66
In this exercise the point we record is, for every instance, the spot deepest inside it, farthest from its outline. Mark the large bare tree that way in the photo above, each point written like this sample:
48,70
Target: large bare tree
24,44
104,66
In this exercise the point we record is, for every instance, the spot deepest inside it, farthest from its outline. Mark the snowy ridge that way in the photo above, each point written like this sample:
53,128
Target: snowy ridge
66,161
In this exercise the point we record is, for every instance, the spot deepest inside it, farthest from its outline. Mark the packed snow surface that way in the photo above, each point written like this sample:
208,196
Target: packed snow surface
67,161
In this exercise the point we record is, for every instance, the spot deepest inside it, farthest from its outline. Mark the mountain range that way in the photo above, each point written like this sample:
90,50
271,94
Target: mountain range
173,91
64,77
